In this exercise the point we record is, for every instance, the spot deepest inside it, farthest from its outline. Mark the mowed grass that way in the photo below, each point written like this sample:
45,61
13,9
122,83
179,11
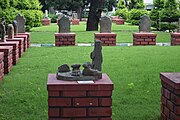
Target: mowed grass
45,34
133,70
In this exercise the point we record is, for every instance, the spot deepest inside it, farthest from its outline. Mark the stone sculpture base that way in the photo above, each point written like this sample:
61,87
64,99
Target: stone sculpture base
144,39
170,99
25,41
46,22
107,39
21,44
175,39
15,51
28,38
75,21
7,50
120,21
71,100
65,39
1,65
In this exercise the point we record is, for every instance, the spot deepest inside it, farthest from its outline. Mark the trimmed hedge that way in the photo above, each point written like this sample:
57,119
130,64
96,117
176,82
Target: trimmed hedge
122,13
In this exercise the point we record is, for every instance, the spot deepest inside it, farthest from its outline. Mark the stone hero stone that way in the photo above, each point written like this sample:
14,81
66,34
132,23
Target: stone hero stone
105,24
145,24
20,23
3,30
10,31
64,24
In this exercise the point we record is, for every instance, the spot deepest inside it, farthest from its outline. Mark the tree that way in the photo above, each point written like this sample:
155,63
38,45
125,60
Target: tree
155,12
121,4
135,4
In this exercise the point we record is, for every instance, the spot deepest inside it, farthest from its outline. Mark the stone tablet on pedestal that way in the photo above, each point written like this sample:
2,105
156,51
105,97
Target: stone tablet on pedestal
105,24
10,31
15,27
145,24
74,16
64,24
20,23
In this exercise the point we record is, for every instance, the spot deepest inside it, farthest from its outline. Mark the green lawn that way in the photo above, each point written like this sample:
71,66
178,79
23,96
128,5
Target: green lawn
45,34
133,70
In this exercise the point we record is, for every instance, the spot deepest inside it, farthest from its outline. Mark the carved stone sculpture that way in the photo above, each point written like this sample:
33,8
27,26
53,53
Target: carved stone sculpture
3,30
90,71
15,27
10,31
145,24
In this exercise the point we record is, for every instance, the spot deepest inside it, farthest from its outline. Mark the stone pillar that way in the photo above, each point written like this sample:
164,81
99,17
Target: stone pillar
71,100
107,39
15,51
7,58
170,98
1,65
175,39
144,38
65,39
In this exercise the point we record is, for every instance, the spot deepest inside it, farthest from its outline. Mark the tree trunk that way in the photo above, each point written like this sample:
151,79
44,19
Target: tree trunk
79,12
94,15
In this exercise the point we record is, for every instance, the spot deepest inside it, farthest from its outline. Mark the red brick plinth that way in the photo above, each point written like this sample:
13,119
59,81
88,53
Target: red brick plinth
120,21
175,39
1,65
21,46
7,58
15,52
65,39
25,41
144,39
46,22
114,18
28,38
170,99
107,39
68,100
75,21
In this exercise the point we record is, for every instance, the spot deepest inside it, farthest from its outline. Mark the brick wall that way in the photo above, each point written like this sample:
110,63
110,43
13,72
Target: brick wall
1,65
170,98
24,42
46,22
28,38
69,100
175,39
65,39
7,50
75,21
21,46
15,51
107,39
144,39
119,21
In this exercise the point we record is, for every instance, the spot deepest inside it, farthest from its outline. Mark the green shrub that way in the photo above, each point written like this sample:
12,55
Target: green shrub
167,26
122,13
135,14
33,18
134,22
53,18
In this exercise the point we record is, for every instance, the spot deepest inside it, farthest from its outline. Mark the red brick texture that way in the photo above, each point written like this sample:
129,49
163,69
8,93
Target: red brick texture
46,22
143,39
175,39
114,18
8,58
107,39
1,65
20,43
15,50
65,39
75,21
25,41
69,100
120,21
28,38
170,98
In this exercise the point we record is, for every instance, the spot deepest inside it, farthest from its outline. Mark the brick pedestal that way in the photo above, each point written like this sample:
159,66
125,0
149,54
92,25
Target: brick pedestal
21,46
107,39
65,39
75,21
1,65
7,58
170,99
15,50
120,21
68,100
175,39
25,41
144,39
46,22
28,38
114,18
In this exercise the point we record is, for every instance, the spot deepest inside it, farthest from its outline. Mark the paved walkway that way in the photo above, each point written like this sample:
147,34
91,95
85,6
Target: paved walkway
90,44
